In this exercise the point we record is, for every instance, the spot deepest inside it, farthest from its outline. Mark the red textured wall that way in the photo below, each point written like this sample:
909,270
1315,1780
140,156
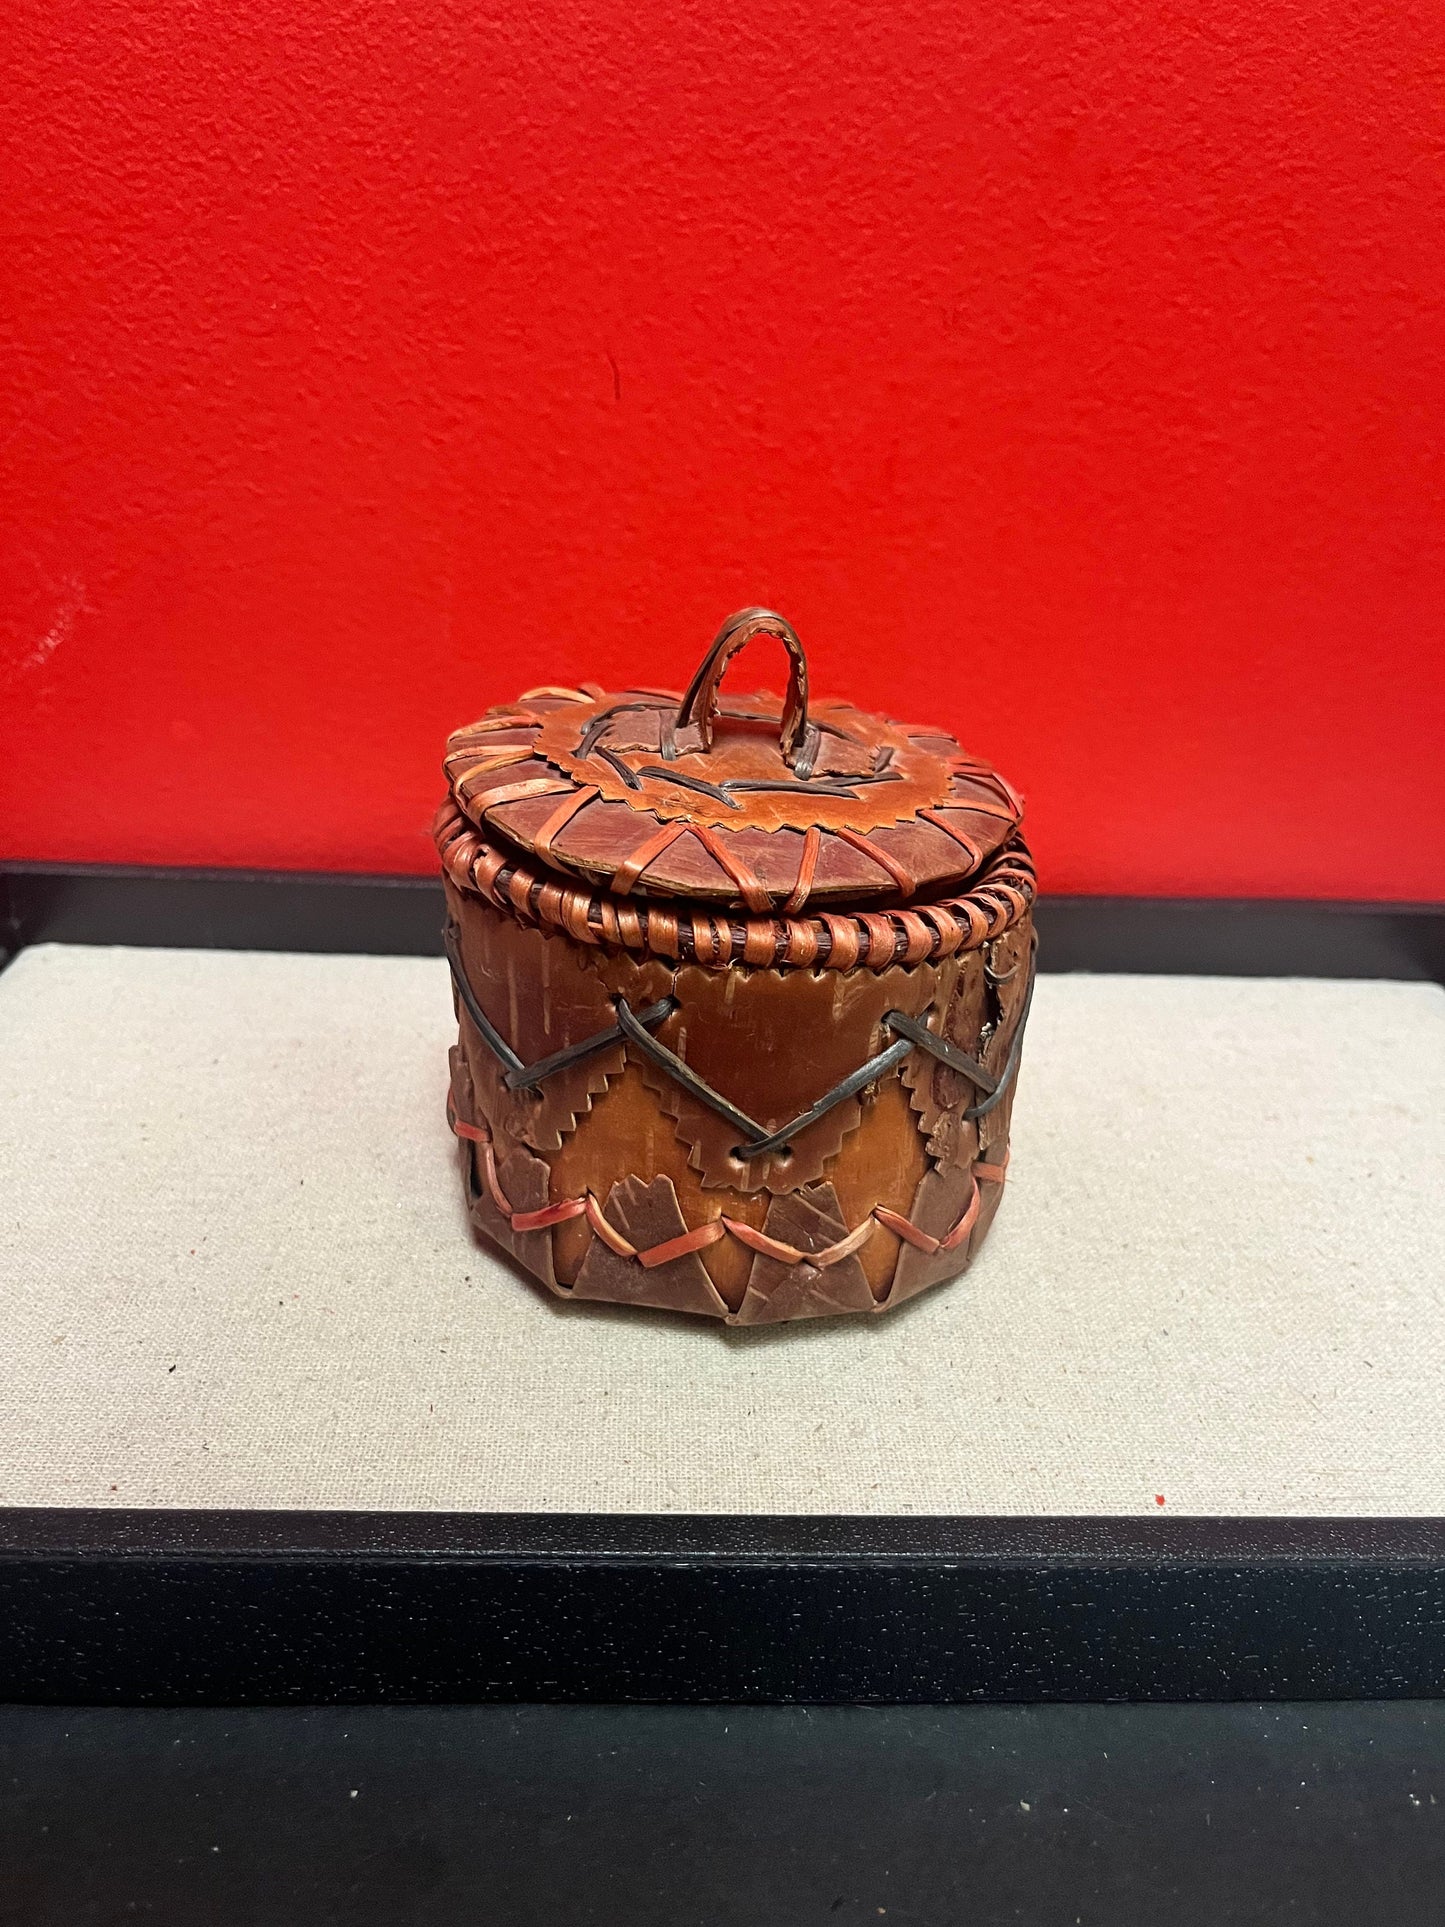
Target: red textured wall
1073,375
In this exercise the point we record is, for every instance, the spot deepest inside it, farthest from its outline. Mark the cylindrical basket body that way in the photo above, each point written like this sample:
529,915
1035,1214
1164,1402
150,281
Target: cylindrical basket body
741,995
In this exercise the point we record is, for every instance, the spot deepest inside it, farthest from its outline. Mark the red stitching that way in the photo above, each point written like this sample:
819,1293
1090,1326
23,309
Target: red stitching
549,1215
899,872
609,1235
703,1235
670,1248
807,869
630,870
905,1228
845,1247
750,885
544,839
760,1242
515,792
952,1239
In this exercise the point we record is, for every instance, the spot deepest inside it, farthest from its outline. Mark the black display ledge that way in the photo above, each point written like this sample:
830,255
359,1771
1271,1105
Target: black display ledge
235,1608
296,910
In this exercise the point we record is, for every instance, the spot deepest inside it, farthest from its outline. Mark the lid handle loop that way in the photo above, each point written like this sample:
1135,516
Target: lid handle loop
700,702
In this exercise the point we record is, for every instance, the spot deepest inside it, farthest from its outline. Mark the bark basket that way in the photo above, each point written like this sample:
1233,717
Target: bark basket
741,990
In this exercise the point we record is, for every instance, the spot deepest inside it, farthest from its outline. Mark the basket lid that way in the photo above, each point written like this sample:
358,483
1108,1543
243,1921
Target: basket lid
761,803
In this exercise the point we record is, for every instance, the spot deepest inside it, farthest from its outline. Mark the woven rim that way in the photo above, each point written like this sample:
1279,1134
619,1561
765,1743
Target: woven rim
1001,893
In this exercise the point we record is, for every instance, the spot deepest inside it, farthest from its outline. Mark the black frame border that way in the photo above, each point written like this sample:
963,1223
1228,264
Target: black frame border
240,1607
402,916
235,1608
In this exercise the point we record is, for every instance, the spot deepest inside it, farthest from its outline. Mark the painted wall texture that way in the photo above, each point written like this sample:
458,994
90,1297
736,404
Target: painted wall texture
1073,375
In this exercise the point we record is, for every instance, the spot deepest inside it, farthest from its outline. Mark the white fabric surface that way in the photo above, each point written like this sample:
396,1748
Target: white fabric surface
236,1271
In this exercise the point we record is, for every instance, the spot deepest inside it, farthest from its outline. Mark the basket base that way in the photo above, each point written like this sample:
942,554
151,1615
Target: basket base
786,1282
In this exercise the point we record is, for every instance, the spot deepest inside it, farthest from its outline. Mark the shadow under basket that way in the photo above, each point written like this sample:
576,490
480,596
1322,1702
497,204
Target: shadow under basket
741,993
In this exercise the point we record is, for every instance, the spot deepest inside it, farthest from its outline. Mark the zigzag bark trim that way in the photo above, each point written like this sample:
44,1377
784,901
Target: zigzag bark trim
705,1234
